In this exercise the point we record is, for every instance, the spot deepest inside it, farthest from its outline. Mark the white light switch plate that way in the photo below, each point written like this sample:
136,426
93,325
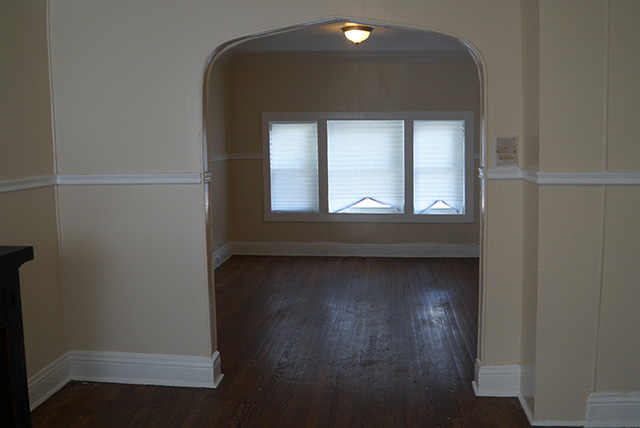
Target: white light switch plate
507,151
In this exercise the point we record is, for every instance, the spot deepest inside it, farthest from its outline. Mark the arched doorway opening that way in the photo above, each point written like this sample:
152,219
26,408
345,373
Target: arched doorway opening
302,34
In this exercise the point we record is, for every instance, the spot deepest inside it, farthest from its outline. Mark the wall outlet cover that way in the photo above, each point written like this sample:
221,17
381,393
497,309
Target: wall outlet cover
507,151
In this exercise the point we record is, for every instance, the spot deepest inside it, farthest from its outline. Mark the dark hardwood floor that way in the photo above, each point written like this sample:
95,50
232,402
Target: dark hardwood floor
320,342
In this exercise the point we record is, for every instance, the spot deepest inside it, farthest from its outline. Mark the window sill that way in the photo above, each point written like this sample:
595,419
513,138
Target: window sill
367,218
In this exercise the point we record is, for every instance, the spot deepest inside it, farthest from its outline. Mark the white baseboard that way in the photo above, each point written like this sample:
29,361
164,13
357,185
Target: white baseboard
536,423
119,367
613,410
48,381
604,410
223,254
338,249
142,369
496,381
504,381
217,369
525,406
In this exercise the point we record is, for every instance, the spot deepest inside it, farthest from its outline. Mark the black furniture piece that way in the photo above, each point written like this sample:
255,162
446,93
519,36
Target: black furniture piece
14,393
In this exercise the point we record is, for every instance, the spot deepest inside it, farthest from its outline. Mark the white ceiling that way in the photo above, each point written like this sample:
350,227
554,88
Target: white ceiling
328,38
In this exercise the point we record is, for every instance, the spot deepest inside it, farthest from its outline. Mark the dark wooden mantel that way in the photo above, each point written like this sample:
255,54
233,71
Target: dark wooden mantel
14,393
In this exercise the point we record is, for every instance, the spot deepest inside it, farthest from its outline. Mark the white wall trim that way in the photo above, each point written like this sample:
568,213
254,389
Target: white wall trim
92,180
525,406
603,409
530,176
217,369
540,178
27,183
48,381
503,174
557,423
504,381
496,381
223,254
117,179
223,158
589,178
119,367
339,249
613,410
144,369
565,178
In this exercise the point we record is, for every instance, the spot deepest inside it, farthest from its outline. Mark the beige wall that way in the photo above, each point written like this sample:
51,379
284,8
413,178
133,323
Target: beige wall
25,111
28,217
619,339
569,272
501,263
127,78
623,95
133,273
530,208
502,299
589,73
619,336
530,143
217,144
530,199
337,86
572,59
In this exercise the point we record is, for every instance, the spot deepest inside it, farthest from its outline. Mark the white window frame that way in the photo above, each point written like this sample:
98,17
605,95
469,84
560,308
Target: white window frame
408,216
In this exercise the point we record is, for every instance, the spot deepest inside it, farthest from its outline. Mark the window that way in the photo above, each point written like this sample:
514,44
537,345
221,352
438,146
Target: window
382,167
293,165
365,166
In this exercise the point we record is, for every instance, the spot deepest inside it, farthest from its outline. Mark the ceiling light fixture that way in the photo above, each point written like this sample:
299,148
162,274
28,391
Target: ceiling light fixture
357,33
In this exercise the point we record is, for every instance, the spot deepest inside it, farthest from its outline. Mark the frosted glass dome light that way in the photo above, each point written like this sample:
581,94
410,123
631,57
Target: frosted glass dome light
357,33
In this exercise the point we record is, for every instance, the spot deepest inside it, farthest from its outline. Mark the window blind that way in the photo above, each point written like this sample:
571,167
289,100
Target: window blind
438,160
365,160
293,151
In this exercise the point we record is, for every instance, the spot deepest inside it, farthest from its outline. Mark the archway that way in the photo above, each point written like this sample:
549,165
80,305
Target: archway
221,50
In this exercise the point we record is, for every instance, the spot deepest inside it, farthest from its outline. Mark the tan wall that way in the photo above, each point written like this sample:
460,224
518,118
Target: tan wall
218,142
127,78
572,59
619,337
530,85
530,208
127,81
303,87
502,299
25,111
569,272
530,199
623,108
28,217
588,96
133,273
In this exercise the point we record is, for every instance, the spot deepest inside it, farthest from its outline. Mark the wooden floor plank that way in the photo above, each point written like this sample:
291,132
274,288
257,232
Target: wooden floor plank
320,342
